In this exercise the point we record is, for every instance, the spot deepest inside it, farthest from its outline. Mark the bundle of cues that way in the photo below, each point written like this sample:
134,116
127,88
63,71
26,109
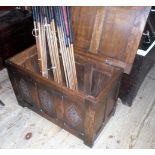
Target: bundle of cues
52,30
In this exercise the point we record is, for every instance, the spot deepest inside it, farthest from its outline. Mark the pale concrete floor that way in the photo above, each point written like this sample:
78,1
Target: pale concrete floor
131,127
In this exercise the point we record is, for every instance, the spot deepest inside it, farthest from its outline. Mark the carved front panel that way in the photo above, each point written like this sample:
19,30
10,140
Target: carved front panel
46,101
25,90
74,115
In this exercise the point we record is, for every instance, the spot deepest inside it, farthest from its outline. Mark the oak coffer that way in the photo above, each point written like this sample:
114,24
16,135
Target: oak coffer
105,43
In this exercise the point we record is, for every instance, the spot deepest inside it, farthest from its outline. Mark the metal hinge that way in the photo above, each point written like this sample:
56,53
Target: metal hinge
109,62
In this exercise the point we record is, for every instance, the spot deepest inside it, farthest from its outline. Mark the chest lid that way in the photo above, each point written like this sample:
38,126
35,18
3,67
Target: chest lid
109,34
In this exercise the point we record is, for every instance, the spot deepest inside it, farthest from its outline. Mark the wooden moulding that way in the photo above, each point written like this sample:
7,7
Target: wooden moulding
82,112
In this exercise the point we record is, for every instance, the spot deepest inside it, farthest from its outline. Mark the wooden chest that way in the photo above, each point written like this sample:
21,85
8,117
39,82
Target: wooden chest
105,44
15,29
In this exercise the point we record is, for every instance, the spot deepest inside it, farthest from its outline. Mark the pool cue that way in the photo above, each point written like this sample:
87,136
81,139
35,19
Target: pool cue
50,45
58,26
71,43
66,14
65,31
54,41
46,24
36,34
65,45
66,51
43,54
42,64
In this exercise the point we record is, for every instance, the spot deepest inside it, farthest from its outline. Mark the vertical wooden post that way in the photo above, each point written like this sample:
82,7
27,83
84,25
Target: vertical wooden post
89,124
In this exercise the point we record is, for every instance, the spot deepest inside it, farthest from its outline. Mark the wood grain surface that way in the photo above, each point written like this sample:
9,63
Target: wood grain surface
111,32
